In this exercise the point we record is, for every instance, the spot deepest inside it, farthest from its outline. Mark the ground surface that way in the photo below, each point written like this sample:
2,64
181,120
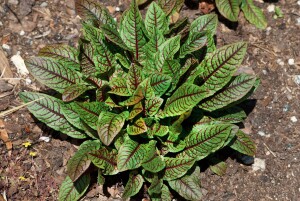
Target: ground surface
273,124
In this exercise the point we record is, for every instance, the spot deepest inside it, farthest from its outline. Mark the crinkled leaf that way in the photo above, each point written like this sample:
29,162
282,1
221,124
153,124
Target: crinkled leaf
131,155
177,167
52,73
160,83
229,8
237,89
73,91
253,14
132,30
109,125
155,19
206,139
48,109
133,186
80,162
184,98
152,161
119,87
70,191
153,105
92,11
222,64
63,53
188,186
207,22
138,127
195,41
244,144
105,159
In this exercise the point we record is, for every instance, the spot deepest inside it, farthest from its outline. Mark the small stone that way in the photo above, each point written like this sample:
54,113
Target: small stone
6,47
291,62
280,62
298,21
1,24
271,8
286,108
44,138
44,4
261,133
247,160
22,33
13,2
18,61
118,9
264,72
28,81
297,79
298,2
259,164
294,119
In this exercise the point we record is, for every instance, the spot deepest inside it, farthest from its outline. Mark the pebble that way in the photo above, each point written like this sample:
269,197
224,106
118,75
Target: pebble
259,164
268,30
22,33
298,2
13,2
294,119
44,138
28,81
18,61
261,133
271,8
247,160
280,62
118,9
291,62
297,79
1,24
44,4
6,47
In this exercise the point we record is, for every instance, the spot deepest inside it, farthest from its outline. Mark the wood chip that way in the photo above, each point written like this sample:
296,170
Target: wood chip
4,136
4,66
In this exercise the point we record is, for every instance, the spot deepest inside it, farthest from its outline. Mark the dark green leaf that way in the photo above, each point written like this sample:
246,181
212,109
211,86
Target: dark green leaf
105,159
244,144
133,185
177,167
229,8
253,14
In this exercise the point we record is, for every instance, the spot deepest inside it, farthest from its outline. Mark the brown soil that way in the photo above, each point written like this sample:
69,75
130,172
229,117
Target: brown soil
272,123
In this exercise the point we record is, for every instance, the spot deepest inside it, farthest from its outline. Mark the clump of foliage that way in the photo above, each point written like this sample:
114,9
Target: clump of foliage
149,98
231,10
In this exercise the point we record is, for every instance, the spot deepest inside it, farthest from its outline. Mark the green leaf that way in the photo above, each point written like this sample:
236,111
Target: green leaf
188,186
156,186
174,145
131,155
160,83
194,42
155,42
220,65
153,105
152,161
109,125
231,115
89,112
165,193
207,22
229,9
253,14
134,77
184,98
119,87
137,128
133,186
171,68
48,109
132,30
137,109
158,130
167,5
206,139
100,178
155,20
70,191
74,91
105,159
65,54
167,51
244,144
123,60
177,167
237,89
218,166
135,98
52,73
92,11
86,56
113,35
80,162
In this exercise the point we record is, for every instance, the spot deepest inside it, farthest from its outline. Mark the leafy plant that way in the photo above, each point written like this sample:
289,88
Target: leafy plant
148,98
231,9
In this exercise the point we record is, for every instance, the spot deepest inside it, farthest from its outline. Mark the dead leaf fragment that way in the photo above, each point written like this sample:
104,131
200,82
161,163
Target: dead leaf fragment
4,136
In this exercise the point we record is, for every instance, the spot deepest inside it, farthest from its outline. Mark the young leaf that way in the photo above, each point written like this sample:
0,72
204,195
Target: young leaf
109,125
52,73
222,64
229,9
188,186
156,186
92,11
155,20
206,139
158,130
152,161
160,83
237,89
138,127
113,35
119,87
48,109
70,191
133,185
177,167
137,109
218,166
133,30
205,23
74,91
135,98
253,14
80,162
105,159
194,42
153,105
63,53
231,115
184,98
174,146
131,155
154,44
244,144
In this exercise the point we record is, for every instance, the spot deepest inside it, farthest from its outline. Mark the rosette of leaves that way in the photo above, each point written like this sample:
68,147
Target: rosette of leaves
148,97
231,9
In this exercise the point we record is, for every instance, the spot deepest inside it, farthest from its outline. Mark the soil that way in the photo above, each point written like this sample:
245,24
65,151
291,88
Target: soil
28,25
